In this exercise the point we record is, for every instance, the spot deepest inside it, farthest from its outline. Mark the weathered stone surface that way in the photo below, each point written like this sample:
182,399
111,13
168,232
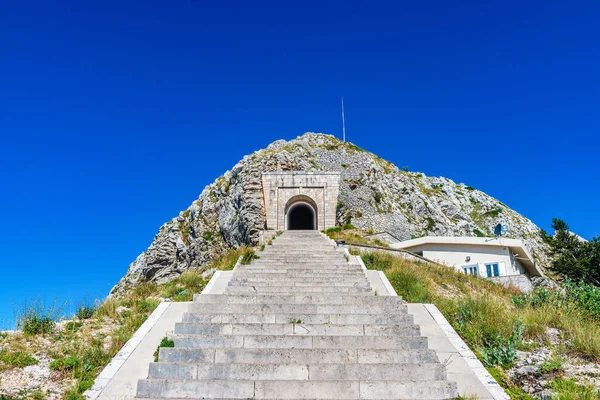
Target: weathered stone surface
374,194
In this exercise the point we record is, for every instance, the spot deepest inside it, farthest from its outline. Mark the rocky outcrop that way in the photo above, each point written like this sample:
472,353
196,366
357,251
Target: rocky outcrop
374,195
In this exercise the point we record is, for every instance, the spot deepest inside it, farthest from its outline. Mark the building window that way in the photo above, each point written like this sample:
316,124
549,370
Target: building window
492,270
470,269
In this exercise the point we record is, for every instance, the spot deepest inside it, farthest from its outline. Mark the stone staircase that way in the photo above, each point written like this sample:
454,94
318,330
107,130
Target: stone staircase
301,322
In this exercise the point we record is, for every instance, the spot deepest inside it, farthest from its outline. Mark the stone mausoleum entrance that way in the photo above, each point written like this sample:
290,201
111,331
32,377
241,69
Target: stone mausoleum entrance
299,200
301,214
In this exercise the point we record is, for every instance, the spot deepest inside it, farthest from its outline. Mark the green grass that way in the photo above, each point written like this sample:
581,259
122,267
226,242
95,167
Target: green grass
494,320
36,318
248,257
184,228
552,365
165,342
352,235
568,389
16,359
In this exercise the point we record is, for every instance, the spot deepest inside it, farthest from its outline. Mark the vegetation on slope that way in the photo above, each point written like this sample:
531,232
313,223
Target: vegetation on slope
497,321
75,351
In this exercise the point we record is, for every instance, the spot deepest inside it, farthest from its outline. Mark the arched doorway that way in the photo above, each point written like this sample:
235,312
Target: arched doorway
301,214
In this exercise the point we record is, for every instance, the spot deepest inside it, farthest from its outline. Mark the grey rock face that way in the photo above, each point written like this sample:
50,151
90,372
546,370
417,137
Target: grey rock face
374,194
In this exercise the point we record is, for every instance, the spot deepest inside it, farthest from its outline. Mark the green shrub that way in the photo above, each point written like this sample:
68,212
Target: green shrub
192,280
36,318
248,256
552,365
430,224
33,324
568,389
489,328
208,236
585,296
377,261
65,364
184,295
165,342
348,226
170,290
513,391
146,305
18,359
73,326
144,290
478,233
85,312
414,287
493,213
185,232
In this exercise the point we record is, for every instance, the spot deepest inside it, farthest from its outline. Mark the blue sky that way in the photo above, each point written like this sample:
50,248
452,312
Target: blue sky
114,115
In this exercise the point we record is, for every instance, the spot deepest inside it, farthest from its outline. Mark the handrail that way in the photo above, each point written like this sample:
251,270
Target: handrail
395,250
382,232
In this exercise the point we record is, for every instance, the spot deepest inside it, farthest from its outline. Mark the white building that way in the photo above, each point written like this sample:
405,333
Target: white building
484,257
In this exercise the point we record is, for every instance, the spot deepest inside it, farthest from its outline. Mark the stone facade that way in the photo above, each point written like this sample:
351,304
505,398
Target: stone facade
282,190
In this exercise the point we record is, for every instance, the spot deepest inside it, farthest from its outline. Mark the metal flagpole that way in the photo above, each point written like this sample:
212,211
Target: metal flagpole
343,122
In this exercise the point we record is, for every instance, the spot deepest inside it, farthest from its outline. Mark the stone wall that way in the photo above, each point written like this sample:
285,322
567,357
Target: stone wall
281,189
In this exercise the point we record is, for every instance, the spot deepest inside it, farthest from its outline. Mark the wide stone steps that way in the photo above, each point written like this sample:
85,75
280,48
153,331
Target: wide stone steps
291,328
295,389
300,342
296,371
300,322
284,283
232,308
300,356
291,280
379,319
304,289
312,299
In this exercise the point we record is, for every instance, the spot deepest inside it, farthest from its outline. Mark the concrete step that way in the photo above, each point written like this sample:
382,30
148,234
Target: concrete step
241,273
299,356
276,278
294,389
347,319
298,309
285,283
316,270
307,289
326,267
295,329
298,371
300,342
311,299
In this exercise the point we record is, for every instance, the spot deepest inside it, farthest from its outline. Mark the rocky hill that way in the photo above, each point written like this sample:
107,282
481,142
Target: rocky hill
374,195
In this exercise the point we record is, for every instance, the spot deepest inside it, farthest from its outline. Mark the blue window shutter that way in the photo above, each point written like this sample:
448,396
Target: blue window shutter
488,268
496,270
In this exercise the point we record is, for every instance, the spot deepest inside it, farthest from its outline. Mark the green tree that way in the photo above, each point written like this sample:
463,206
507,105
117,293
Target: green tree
573,258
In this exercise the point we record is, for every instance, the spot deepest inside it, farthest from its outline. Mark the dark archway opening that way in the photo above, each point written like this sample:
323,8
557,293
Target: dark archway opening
301,217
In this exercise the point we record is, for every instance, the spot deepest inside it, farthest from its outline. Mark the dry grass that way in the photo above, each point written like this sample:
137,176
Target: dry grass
488,319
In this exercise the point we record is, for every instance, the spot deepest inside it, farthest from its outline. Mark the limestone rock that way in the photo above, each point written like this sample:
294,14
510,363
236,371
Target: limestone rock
374,194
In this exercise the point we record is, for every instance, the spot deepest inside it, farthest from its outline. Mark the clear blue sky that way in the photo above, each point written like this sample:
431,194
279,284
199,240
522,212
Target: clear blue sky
115,114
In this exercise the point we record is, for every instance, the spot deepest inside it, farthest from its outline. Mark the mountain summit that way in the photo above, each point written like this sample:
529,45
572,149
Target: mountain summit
374,196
